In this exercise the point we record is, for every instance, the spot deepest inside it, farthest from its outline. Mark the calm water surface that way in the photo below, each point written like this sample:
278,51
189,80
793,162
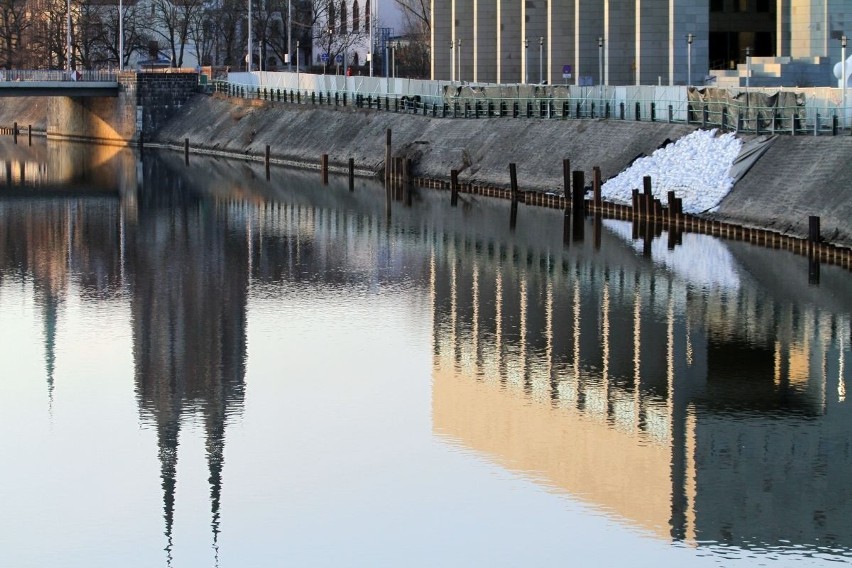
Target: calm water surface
200,367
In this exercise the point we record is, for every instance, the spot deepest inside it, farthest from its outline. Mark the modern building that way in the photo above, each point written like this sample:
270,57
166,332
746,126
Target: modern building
628,42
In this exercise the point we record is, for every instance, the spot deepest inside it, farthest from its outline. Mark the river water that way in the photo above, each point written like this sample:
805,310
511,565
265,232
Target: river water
203,367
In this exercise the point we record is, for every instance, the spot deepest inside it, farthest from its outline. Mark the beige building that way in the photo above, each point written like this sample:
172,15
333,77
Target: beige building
626,42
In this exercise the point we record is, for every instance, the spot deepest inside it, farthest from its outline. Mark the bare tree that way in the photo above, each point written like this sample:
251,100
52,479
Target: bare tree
13,25
172,21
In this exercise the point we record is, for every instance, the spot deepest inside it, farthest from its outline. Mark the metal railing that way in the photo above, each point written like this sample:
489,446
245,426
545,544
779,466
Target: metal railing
51,75
798,120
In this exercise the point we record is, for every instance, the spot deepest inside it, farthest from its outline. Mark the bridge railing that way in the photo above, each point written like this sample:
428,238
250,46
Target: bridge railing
44,75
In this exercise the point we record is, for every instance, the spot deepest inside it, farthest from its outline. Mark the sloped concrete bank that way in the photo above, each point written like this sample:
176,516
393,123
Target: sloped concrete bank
480,149
25,111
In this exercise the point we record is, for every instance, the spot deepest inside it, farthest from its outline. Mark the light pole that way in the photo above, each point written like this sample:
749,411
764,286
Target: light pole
600,60
748,66
370,49
459,54
249,56
843,77
297,65
393,59
289,35
540,60
68,37
526,61
452,62
120,35
689,38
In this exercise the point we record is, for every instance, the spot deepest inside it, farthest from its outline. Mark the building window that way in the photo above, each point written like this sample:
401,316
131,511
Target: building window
717,5
343,17
367,18
763,6
356,17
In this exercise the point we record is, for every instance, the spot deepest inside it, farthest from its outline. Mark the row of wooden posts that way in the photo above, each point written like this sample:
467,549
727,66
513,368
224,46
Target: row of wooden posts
15,132
644,209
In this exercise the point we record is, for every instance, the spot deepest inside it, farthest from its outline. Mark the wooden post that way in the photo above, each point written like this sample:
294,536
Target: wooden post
186,150
324,168
578,189
266,161
351,169
647,197
596,187
513,180
813,229
454,188
388,156
29,134
15,133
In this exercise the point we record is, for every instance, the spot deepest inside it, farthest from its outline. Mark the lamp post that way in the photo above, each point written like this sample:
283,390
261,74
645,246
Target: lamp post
393,59
249,56
843,76
540,59
600,60
458,46
289,35
452,62
68,36
370,49
526,61
120,35
689,38
297,65
748,66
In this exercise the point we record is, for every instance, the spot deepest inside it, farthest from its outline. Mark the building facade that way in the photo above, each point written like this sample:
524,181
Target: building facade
627,42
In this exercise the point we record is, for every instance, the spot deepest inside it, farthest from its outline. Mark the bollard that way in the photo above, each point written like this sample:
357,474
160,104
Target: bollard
578,189
606,111
813,229
186,150
351,171
593,109
653,112
387,156
621,110
454,188
834,125
671,114
638,111
596,187
324,168
266,161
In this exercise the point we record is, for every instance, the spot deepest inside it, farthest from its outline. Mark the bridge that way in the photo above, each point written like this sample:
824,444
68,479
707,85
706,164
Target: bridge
28,83
102,106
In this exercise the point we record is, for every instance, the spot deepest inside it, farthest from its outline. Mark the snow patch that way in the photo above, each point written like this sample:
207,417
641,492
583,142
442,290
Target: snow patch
696,167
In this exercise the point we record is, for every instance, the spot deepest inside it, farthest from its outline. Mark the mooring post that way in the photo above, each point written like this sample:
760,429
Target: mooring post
387,156
566,180
29,134
15,132
648,196
813,232
324,168
578,187
186,150
596,187
513,181
454,187
266,161
351,173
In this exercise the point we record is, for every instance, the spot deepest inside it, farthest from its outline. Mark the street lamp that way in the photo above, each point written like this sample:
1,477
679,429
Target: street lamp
458,45
289,35
120,35
540,60
452,62
297,65
600,60
843,76
526,61
249,56
68,36
748,66
689,38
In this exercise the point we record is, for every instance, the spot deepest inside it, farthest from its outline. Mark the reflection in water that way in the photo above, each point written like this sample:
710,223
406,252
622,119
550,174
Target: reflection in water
695,402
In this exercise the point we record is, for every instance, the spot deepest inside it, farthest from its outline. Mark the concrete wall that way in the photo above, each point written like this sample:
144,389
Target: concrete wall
144,102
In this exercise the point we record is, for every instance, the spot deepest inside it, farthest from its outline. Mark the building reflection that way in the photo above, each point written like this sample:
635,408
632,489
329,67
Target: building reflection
704,414
188,306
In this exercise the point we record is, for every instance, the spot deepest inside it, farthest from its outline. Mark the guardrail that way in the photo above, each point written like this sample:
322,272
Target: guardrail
56,75
798,120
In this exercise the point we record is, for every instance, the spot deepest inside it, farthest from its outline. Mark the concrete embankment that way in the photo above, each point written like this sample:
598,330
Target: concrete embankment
797,177
480,149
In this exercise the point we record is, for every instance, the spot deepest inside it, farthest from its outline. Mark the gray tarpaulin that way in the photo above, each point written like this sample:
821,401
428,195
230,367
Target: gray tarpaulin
749,154
755,109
